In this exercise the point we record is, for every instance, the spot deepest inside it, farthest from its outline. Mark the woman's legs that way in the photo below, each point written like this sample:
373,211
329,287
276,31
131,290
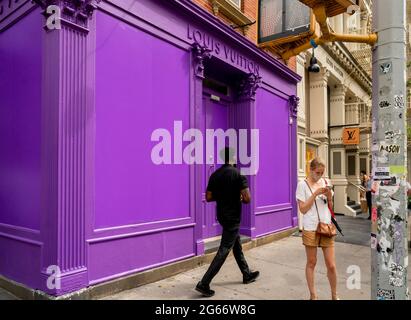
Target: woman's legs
329,257
309,269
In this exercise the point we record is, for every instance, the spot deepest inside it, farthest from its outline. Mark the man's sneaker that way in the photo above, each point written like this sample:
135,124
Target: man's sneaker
251,277
204,290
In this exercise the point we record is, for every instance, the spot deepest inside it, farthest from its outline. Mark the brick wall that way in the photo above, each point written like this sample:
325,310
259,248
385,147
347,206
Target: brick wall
250,9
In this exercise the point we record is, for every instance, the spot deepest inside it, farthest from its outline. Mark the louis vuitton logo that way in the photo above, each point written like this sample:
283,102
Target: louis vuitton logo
351,135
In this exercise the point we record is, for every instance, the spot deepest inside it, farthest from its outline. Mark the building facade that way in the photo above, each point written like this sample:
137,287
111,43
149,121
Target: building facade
88,103
338,98
409,108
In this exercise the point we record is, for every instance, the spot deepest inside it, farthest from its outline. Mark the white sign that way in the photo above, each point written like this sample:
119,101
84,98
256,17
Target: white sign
381,173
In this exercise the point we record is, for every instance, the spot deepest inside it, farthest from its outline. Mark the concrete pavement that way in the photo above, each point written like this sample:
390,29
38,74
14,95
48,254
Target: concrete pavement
282,267
5,295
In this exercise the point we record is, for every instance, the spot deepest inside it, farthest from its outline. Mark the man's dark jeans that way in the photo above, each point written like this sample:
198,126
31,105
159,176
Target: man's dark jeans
230,239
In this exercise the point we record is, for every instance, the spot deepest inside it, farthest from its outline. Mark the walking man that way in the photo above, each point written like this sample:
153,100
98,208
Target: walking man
228,188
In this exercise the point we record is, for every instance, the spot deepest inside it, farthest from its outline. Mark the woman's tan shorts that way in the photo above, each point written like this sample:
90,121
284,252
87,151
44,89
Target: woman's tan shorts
313,239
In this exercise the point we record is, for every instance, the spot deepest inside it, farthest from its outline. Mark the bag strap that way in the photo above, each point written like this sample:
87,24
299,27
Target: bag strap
328,204
315,201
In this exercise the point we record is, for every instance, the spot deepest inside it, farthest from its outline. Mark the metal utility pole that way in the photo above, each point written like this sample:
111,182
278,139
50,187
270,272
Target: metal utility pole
389,239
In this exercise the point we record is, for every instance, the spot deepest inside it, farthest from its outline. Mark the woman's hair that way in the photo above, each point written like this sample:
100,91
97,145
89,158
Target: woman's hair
316,162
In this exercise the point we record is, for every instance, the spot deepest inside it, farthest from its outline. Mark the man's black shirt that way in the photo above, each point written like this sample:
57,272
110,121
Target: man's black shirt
226,185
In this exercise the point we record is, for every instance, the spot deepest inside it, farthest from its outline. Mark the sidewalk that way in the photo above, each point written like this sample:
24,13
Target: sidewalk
282,267
5,295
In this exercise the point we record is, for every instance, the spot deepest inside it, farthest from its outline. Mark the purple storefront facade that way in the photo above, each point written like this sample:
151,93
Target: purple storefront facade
78,108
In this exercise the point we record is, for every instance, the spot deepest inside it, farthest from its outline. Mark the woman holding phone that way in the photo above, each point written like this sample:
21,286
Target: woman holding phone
314,196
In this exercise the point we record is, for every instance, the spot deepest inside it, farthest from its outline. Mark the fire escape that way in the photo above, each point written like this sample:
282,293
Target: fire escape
363,54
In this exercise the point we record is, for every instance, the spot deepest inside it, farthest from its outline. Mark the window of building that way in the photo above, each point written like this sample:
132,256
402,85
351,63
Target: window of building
237,3
351,165
336,163
363,164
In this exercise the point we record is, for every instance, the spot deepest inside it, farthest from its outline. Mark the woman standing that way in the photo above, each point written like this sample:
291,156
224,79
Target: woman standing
314,197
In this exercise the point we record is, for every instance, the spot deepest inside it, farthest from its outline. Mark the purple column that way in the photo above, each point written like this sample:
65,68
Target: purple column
200,54
293,103
244,118
65,102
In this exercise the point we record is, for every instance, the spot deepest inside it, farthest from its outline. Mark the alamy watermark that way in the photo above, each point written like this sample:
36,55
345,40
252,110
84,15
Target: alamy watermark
54,279
53,20
240,142
354,280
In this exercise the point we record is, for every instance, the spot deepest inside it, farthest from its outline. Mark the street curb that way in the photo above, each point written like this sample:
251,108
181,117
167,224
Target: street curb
132,281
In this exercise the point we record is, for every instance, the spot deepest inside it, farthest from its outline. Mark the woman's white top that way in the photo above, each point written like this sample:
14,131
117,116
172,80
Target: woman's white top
310,218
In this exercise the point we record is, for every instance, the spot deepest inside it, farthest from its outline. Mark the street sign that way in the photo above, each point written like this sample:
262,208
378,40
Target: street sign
351,136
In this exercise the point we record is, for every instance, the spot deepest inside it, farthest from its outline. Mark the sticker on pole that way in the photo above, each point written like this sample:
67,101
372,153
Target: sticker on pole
386,68
399,101
374,215
384,104
383,294
381,173
389,148
375,187
373,241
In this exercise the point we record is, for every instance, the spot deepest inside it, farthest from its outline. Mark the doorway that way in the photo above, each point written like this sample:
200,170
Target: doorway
216,116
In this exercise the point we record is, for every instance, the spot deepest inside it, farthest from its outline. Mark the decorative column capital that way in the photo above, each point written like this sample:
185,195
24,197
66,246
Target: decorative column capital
77,12
215,7
248,86
200,54
339,90
294,102
322,76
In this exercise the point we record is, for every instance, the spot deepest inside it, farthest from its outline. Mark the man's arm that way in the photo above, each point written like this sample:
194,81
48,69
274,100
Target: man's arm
209,196
245,196
210,189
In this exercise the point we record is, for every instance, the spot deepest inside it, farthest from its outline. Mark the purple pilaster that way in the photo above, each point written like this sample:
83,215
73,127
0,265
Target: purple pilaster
65,101
244,118
200,54
293,103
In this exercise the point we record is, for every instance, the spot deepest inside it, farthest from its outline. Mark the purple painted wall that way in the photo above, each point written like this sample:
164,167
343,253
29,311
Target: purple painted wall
84,140
136,93
272,202
20,123
273,178
20,149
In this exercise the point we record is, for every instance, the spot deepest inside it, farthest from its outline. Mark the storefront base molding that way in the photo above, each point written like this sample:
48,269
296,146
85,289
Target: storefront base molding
135,280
